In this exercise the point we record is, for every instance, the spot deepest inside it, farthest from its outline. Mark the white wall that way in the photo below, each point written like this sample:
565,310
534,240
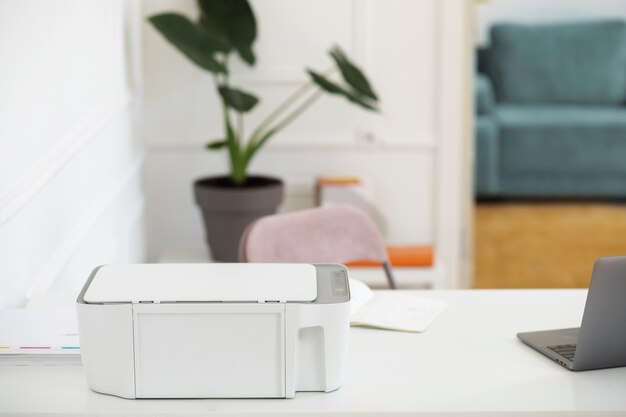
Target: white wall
396,44
529,11
70,161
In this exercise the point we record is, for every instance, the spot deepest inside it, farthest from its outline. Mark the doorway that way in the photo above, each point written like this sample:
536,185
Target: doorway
550,129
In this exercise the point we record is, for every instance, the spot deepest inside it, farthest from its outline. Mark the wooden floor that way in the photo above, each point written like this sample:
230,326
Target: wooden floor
544,245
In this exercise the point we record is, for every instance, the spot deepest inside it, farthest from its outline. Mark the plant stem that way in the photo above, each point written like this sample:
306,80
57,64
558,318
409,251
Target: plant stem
240,132
298,111
281,108
301,91
253,147
236,158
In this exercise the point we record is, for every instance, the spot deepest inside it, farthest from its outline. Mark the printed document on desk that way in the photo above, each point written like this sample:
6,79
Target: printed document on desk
39,336
393,310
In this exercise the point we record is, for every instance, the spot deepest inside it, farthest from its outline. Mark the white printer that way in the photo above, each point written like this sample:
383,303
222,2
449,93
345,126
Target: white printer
214,330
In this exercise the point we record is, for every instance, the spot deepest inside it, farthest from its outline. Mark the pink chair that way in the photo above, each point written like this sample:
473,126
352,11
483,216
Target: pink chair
336,234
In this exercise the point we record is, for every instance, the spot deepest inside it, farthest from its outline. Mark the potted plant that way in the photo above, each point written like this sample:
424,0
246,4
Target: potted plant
226,27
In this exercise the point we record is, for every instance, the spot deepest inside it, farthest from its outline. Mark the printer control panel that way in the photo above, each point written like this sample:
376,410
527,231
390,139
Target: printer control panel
332,284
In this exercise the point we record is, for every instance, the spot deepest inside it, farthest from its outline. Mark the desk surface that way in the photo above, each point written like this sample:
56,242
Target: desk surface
468,362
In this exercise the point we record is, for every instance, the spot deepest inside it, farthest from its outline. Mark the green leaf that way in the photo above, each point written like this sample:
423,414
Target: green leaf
216,144
333,88
238,99
232,21
246,53
192,40
352,74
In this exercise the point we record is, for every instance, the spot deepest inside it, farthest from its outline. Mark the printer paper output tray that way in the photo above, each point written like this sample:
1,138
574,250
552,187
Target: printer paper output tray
214,330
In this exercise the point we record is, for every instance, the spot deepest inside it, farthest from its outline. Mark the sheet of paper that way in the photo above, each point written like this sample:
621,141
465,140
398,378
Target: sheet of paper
360,294
394,310
42,336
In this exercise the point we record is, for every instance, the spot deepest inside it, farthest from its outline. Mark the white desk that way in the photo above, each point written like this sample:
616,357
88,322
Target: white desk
468,363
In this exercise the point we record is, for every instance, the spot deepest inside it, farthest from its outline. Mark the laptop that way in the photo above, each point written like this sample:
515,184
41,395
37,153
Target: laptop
600,341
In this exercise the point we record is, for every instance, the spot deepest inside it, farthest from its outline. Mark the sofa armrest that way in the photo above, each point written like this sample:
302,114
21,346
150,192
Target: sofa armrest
486,157
485,100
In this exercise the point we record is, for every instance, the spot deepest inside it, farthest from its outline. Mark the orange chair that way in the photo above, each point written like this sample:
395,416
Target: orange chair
336,234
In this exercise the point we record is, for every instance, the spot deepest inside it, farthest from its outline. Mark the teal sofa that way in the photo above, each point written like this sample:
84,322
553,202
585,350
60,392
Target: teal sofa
551,112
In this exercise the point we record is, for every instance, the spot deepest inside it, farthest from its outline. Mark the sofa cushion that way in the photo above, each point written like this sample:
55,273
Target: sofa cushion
559,63
567,141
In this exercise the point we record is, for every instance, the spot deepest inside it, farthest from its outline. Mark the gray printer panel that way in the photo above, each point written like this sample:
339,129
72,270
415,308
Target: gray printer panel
332,284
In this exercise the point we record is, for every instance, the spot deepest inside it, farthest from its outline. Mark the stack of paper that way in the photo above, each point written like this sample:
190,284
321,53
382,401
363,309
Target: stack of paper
394,310
39,336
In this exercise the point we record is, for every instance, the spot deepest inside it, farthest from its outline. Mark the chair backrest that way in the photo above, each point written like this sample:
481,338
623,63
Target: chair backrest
335,234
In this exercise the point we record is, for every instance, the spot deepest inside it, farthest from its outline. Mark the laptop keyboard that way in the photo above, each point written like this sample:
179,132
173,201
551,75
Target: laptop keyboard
567,351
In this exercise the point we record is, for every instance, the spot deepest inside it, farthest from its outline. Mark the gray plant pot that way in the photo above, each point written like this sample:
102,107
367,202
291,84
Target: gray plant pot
228,209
